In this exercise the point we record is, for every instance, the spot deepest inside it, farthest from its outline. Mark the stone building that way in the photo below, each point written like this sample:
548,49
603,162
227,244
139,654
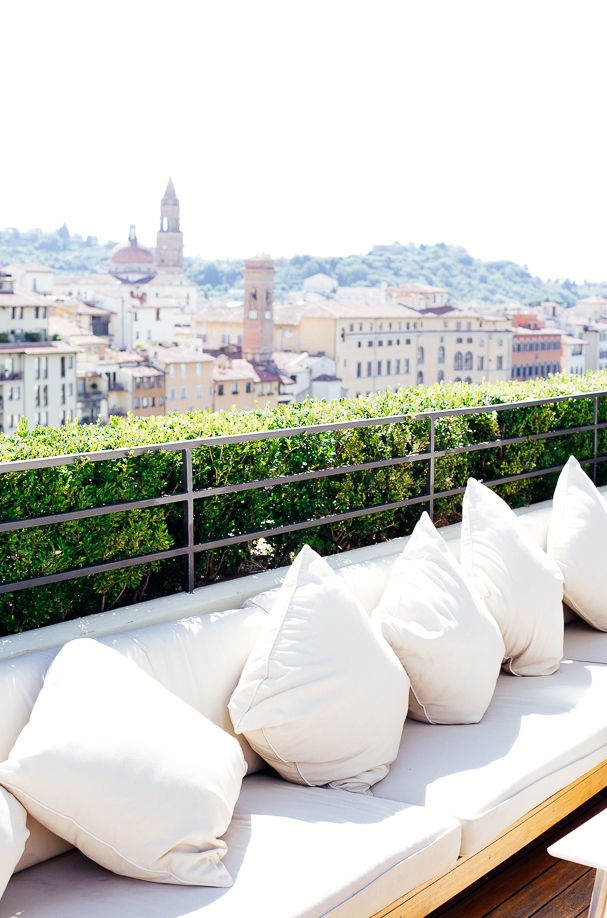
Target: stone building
380,346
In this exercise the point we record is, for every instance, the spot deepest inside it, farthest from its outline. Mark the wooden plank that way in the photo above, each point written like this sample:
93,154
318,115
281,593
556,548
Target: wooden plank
531,862
552,884
572,903
424,899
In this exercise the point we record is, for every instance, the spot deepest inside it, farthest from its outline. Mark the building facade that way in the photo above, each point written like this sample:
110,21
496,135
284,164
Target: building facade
381,346
536,352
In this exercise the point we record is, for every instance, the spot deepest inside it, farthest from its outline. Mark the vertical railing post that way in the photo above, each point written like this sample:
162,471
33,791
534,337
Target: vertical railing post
188,518
595,435
431,469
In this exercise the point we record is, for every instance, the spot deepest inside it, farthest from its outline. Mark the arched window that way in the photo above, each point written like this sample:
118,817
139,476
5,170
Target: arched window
441,376
518,370
457,379
458,363
441,355
420,378
420,355
513,372
468,361
468,380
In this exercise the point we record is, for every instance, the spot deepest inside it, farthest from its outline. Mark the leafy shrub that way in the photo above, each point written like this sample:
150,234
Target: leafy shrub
66,545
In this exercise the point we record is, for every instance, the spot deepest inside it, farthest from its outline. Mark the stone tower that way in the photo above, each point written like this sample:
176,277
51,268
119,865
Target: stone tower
169,239
258,339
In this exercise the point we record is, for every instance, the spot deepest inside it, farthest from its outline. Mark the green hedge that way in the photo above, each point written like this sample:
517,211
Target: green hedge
38,551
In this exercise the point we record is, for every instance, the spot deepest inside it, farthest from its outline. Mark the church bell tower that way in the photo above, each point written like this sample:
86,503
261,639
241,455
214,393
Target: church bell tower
258,339
169,239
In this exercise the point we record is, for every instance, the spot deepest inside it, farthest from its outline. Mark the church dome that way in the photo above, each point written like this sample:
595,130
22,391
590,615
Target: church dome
131,257
131,252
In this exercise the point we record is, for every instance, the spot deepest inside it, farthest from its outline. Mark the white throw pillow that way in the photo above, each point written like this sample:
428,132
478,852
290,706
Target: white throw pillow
13,835
137,779
521,587
441,631
322,696
577,541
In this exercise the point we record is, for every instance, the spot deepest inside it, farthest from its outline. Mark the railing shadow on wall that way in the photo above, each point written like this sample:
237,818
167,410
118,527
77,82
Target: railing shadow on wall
435,433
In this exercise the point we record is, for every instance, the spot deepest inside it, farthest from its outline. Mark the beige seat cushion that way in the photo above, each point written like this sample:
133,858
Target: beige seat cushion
293,852
537,736
585,643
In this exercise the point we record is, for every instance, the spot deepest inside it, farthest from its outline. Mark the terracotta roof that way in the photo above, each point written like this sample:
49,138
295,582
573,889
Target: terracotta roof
180,355
21,297
45,347
325,378
141,371
345,310
520,330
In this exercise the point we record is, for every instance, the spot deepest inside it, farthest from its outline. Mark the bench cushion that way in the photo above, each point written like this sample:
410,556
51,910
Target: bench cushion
293,852
585,643
538,735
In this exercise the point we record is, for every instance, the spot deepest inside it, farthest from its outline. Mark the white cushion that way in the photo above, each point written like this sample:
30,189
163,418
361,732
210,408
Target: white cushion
441,631
585,643
117,765
322,697
13,835
294,852
521,587
577,541
537,736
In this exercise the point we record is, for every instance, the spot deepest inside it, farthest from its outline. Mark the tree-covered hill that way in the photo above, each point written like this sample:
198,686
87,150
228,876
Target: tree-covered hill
467,278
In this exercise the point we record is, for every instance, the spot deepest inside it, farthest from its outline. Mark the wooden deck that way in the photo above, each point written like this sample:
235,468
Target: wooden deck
531,883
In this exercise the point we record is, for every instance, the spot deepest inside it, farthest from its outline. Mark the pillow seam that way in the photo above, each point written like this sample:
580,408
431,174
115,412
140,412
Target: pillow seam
96,838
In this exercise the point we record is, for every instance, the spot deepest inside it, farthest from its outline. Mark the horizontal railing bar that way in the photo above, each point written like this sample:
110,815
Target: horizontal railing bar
77,573
512,441
88,512
308,476
309,524
173,446
508,406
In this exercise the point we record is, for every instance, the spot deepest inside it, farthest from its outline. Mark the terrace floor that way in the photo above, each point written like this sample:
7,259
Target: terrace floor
531,883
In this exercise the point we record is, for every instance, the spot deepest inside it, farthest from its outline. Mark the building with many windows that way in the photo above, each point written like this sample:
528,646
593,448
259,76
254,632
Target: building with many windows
536,352
188,378
380,346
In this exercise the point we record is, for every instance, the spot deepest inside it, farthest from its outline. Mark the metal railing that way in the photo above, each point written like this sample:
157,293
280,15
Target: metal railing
189,495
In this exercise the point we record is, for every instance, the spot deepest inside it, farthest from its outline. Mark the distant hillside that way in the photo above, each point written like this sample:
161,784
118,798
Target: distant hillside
467,278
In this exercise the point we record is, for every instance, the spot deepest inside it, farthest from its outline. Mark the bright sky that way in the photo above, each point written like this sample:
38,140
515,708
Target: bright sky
313,126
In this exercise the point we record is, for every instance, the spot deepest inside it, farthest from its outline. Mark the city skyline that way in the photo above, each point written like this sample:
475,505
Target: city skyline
323,131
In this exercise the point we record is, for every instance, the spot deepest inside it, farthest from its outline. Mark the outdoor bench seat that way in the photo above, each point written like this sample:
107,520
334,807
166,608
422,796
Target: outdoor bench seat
298,852
538,735
293,852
